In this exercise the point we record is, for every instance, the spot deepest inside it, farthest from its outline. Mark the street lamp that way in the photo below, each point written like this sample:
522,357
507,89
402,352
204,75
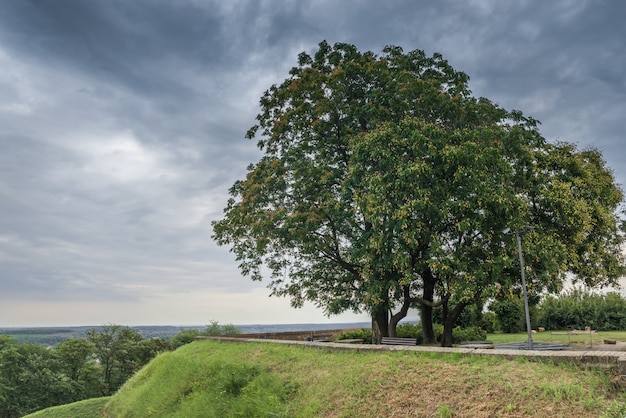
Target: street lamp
518,235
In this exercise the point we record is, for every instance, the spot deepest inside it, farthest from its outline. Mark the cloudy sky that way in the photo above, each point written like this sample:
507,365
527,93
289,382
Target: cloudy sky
122,127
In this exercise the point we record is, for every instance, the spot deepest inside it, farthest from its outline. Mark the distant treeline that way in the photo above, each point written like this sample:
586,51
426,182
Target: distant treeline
56,335
574,309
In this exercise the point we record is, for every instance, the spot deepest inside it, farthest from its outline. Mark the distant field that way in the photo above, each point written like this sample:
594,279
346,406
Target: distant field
56,335
212,378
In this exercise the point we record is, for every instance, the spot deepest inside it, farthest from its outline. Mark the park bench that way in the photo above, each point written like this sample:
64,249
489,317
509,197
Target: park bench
398,341
319,338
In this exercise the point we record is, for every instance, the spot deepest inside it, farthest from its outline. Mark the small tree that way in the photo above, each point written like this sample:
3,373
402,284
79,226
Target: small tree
510,314
77,357
31,378
119,353
214,328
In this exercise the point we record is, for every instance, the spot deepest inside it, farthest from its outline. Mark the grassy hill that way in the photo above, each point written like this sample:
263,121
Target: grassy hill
220,379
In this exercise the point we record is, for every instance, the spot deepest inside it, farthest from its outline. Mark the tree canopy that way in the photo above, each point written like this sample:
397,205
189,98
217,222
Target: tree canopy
385,184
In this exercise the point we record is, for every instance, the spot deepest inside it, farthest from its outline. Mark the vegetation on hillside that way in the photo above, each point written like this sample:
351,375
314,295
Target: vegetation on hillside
89,408
215,379
33,376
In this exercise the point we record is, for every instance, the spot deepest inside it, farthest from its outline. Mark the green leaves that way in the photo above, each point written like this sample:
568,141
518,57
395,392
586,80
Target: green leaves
383,176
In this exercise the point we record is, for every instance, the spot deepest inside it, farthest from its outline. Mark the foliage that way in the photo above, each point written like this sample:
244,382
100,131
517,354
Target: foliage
488,322
31,378
384,183
52,336
184,337
578,309
304,210
77,357
471,316
407,330
364,334
213,329
120,351
510,315
458,333
468,334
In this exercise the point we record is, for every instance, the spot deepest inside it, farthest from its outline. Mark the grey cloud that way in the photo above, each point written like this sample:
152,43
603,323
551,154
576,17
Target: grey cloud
123,122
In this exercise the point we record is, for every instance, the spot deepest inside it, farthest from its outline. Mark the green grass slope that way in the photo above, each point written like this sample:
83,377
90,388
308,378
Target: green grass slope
221,379
89,408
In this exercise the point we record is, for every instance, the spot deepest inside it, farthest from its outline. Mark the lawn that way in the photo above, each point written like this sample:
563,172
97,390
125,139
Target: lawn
561,337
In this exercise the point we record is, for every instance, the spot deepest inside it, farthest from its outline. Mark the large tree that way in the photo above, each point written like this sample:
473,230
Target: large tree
439,201
384,183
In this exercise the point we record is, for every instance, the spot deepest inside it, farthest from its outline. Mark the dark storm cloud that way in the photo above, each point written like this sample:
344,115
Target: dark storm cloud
122,122
118,40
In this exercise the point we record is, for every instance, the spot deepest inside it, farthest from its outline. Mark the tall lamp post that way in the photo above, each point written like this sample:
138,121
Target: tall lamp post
518,235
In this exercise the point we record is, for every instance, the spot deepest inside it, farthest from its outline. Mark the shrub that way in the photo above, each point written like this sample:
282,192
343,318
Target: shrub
415,331
364,334
468,334
488,322
213,329
510,314
579,309
184,337
410,331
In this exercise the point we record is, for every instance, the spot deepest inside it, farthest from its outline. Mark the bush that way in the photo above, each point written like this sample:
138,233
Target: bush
415,331
468,334
364,334
488,322
578,309
213,329
510,315
185,336
410,331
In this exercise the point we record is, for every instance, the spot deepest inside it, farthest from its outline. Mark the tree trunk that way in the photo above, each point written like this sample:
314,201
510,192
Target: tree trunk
404,310
449,318
426,311
380,324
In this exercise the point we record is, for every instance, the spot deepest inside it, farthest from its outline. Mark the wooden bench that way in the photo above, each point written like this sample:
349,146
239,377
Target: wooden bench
398,341
319,338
